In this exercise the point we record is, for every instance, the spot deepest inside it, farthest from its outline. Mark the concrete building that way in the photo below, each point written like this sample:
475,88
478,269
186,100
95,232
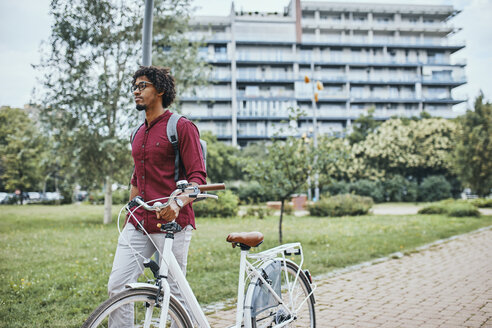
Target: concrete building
393,58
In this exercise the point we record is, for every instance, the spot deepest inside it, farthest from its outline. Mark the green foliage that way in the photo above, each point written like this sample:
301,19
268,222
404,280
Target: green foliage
463,210
226,206
415,148
337,188
434,188
22,149
399,189
222,160
472,157
259,211
451,207
285,169
363,126
251,192
341,205
436,208
481,202
364,187
94,49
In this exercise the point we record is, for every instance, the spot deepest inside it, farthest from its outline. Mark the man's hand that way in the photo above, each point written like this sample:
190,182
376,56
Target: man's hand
171,212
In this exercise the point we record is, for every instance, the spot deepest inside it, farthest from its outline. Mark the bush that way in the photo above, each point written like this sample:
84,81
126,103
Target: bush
481,202
252,193
373,189
434,209
463,209
226,206
337,188
120,196
259,211
451,207
399,189
341,205
434,188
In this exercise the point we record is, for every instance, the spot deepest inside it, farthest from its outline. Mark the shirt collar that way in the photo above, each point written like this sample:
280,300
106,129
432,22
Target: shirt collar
159,118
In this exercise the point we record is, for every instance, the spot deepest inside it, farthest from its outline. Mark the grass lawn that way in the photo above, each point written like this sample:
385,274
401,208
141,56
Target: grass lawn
55,260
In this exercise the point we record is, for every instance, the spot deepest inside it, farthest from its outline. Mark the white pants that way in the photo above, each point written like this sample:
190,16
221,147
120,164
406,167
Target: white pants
128,266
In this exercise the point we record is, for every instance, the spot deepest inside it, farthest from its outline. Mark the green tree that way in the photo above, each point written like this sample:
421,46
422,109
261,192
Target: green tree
285,170
222,160
415,148
472,160
22,148
93,50
363,126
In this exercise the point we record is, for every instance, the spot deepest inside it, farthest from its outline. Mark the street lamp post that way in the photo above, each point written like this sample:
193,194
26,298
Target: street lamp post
318,86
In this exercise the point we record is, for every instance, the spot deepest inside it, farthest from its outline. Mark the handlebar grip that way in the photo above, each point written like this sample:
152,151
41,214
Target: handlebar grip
214,186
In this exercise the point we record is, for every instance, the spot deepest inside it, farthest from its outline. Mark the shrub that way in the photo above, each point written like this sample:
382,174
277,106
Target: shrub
433,209
463,209
252,193
288,208
259,211
373,189
120,196
226,206
341,205
337,188
481,202
399,189
451,207
434,188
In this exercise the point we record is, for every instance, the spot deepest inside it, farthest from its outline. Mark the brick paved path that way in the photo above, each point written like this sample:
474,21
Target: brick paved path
448,285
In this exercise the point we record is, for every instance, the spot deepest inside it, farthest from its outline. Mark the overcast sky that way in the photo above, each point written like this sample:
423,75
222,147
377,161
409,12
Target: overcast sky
25,23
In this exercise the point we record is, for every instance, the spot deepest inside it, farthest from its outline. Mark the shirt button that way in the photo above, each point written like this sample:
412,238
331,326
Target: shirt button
143,176
143,192
142,162
146,132
143,146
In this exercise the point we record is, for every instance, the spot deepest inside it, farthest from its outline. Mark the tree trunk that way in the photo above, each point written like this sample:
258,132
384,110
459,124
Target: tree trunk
108,200
280,222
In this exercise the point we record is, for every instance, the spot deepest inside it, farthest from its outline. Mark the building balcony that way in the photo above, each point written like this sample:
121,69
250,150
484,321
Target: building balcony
268,95
265,77
376,41
444,80
265,57
338,24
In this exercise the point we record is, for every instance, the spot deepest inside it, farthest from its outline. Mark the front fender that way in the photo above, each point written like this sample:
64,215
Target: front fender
141,285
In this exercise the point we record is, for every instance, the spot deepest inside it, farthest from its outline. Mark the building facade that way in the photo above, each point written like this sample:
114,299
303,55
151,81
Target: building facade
395,59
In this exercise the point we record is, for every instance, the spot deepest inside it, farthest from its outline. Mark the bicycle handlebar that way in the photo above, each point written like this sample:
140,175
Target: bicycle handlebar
210,187
157,206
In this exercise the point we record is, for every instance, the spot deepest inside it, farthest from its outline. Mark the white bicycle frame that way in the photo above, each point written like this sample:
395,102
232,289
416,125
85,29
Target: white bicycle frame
169,264
247,271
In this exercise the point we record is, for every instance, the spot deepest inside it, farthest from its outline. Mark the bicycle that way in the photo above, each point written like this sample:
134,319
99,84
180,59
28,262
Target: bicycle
279,292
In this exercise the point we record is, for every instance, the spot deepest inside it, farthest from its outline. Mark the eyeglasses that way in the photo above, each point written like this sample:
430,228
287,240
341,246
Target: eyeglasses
140,86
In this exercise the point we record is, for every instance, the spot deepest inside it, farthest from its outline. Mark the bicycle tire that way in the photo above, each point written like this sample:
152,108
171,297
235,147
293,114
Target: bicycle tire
305,316
139,297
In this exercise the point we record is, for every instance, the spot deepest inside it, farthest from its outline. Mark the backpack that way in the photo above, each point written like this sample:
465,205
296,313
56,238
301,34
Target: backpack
172,136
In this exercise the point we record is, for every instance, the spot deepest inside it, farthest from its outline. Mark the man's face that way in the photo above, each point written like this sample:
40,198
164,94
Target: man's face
146,95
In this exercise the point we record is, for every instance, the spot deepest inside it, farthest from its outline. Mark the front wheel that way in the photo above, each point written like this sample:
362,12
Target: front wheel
294,294
136,308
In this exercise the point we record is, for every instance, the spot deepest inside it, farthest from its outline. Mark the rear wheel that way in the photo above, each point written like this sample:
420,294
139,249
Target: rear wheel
293,295
139,305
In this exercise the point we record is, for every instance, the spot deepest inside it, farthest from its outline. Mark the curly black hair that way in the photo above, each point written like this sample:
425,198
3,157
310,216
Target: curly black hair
161,79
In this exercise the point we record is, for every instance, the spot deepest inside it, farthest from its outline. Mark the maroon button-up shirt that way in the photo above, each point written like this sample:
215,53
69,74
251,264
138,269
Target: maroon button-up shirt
153,156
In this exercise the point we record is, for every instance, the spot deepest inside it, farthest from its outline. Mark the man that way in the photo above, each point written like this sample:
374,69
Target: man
153,178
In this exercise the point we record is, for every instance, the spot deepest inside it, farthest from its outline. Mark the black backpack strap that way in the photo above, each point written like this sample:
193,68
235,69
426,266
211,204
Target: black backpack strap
172,136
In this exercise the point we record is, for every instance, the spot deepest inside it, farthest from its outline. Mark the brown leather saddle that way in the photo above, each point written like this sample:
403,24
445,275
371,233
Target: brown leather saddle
245,240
